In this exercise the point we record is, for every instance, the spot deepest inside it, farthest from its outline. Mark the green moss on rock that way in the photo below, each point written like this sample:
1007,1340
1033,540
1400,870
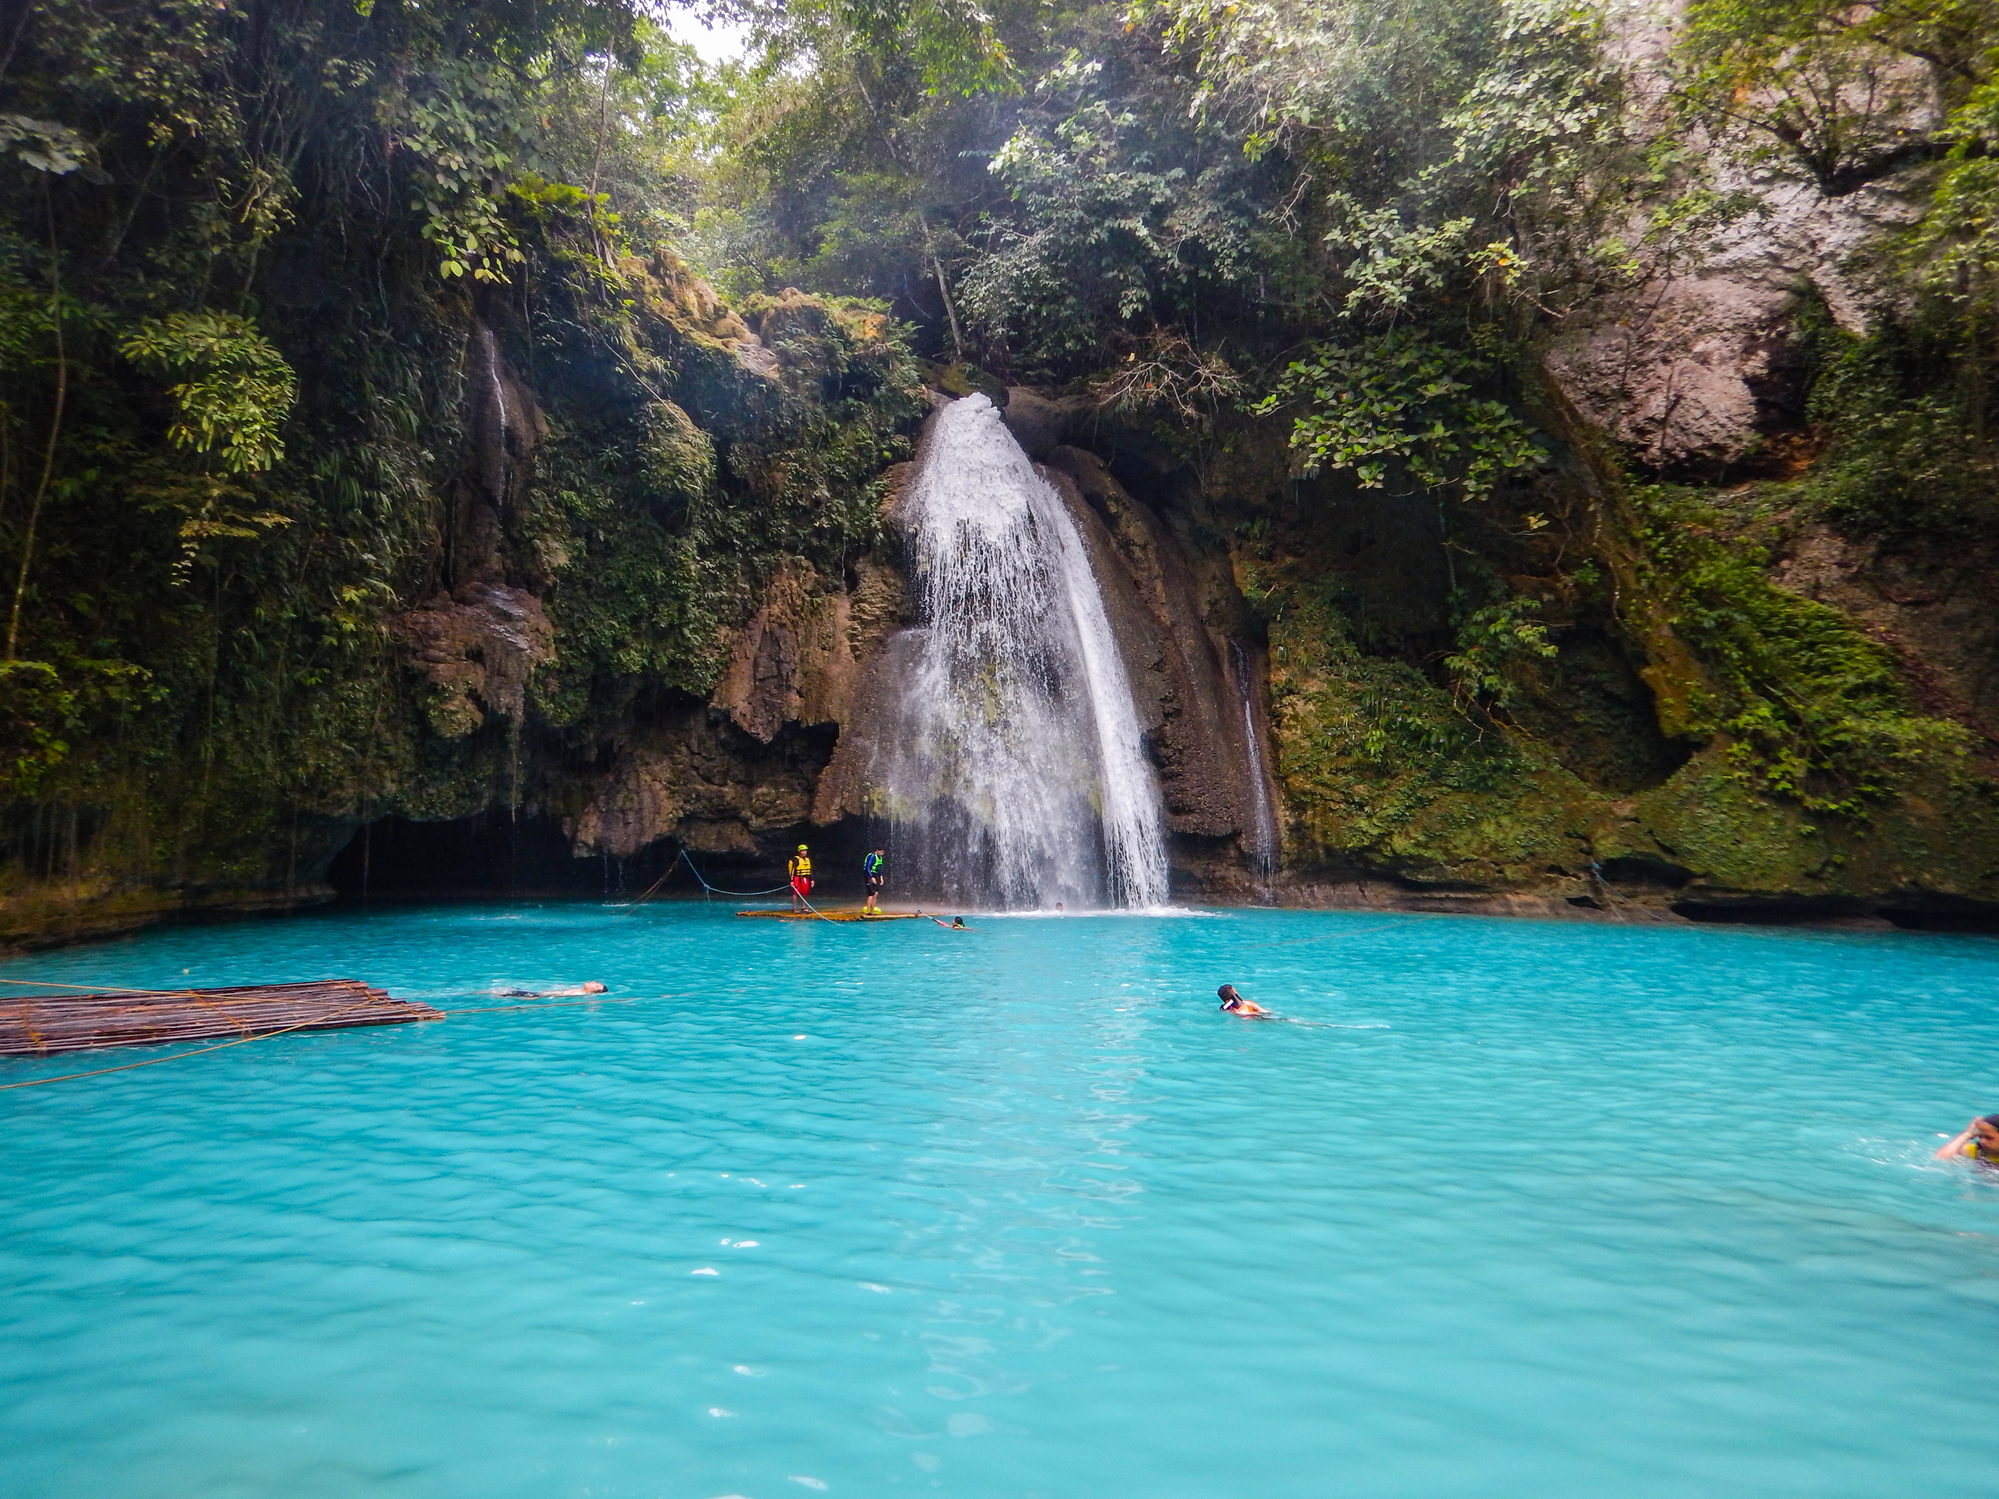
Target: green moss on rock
1382,771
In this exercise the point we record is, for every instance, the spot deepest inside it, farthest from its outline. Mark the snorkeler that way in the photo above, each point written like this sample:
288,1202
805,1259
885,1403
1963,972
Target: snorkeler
1979,1140
1235,1004
800,872
875,867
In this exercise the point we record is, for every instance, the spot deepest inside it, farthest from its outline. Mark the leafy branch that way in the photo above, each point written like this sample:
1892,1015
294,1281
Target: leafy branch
1401,399
239,392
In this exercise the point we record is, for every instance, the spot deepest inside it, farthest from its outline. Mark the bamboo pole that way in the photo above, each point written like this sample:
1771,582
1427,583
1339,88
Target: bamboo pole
41,1025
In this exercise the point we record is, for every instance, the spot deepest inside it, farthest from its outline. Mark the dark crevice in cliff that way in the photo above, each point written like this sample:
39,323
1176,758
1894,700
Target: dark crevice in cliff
488,854
1919,912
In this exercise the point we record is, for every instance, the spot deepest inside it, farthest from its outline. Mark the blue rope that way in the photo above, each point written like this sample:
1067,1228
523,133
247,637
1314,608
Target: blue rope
681,858
712,890
740,894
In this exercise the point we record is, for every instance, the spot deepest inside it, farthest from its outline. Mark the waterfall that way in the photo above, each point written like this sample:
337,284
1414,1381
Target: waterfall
1016,774
1263,839
490,348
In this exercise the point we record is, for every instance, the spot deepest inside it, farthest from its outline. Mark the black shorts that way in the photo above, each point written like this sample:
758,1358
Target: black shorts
876,881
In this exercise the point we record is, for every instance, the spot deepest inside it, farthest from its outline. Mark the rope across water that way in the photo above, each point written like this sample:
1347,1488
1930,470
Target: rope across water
681,858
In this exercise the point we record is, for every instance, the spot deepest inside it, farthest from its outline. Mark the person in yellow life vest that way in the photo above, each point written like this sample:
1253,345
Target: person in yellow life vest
1979,1140
800,870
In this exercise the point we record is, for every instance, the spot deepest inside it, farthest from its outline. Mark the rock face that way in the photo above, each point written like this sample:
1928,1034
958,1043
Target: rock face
1180,667
1689,374
1698,366
504,424
746,772
1038,424
478,648
798,660
1929,604
692,777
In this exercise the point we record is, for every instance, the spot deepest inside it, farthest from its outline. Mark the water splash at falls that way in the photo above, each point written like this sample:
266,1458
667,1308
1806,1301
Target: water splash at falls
1017,775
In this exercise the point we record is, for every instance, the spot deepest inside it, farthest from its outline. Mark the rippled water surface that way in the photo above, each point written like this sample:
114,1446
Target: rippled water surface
1528,1210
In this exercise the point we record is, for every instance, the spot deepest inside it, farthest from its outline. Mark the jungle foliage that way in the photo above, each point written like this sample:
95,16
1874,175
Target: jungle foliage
1358,216
247,253
249,248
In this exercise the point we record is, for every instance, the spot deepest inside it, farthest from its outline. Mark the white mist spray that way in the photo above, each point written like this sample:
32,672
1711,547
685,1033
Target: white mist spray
1018,776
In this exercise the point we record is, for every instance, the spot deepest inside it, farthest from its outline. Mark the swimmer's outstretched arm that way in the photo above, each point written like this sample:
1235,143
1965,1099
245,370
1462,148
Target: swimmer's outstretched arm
1956,1146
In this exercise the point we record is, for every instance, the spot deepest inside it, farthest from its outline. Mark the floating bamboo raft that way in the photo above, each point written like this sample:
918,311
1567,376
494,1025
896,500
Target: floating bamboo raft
833,915
39,1025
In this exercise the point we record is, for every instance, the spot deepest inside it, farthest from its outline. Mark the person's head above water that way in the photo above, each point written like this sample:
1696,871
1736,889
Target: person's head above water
957,921
1235,1004
1978,1139
593,987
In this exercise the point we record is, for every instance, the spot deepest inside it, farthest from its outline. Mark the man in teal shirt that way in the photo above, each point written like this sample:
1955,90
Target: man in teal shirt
876,868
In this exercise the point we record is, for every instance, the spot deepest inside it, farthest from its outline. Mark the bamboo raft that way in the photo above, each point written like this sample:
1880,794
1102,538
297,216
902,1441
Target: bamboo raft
39,1025
833,915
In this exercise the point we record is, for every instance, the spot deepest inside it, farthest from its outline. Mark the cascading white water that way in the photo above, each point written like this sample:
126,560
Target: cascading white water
1016,775
1263,837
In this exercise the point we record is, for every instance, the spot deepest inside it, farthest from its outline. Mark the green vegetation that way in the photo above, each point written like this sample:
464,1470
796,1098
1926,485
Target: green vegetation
1388,771
1907,453
314,314
1809,708
249,260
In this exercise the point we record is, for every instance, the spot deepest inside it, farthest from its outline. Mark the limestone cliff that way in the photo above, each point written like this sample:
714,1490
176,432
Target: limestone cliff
1265,620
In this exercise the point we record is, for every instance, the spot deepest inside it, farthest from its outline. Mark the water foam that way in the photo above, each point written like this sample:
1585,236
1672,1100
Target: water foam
1018,776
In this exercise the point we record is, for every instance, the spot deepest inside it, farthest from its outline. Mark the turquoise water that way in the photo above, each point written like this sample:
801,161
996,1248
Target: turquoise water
1532,1210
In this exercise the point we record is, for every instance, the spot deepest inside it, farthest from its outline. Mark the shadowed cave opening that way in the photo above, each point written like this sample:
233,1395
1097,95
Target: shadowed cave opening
491,853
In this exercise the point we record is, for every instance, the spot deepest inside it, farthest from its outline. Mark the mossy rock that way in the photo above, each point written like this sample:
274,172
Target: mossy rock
1941,836
1709,820
669,289
963,380
1536,827
1379,767
678,457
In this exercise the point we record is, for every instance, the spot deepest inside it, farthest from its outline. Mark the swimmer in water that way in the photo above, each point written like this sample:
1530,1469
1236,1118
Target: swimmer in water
1235,1004
1979,1140
591,987
956,924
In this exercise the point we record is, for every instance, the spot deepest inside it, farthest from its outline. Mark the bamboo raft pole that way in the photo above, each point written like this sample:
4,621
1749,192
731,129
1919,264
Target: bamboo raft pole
40,1025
